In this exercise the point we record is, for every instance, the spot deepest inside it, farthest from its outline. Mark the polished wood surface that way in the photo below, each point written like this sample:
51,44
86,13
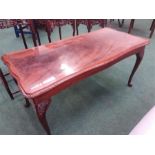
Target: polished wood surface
42,68
43,71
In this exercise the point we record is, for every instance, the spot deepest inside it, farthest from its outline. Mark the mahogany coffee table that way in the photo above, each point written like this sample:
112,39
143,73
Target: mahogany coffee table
44,71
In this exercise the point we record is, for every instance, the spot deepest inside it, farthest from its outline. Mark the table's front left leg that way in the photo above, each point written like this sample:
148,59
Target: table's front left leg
139,57
41,107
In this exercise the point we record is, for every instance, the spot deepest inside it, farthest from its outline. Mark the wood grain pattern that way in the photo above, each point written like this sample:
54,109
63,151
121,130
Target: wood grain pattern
42,68
44,71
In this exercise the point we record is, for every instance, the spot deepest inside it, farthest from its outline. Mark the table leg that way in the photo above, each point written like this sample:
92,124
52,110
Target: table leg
139,57
27,104
41,107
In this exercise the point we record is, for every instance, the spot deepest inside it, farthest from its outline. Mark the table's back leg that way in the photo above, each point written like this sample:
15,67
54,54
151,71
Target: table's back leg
27,103
6,84
41,107
139,57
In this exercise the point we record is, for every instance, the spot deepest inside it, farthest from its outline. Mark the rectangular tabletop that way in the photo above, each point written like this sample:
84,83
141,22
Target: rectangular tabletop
40,69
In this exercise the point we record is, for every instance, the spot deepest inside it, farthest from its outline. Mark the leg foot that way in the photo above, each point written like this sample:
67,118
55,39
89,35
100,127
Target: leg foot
41,107
27,104
139,57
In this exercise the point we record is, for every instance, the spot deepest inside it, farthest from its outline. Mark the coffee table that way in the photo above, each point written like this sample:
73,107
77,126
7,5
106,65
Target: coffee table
43,71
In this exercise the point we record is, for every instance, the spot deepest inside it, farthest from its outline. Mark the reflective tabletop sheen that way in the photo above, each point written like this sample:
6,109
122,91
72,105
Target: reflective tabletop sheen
45,67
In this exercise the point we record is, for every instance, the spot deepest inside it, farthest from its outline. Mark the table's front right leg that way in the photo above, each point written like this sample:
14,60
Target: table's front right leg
139,57
41,107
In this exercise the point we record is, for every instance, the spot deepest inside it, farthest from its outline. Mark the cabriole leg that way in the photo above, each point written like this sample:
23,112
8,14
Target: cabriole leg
139,57
41,107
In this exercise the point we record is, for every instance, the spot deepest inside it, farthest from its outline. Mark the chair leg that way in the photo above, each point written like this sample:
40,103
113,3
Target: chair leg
103,23
73,31
22,34
89,28
131,25
60,32
16,31
152,28
6,84
34,39
48,34
38,36
77,30
73,27
152,24
110,22
36,31
120,23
